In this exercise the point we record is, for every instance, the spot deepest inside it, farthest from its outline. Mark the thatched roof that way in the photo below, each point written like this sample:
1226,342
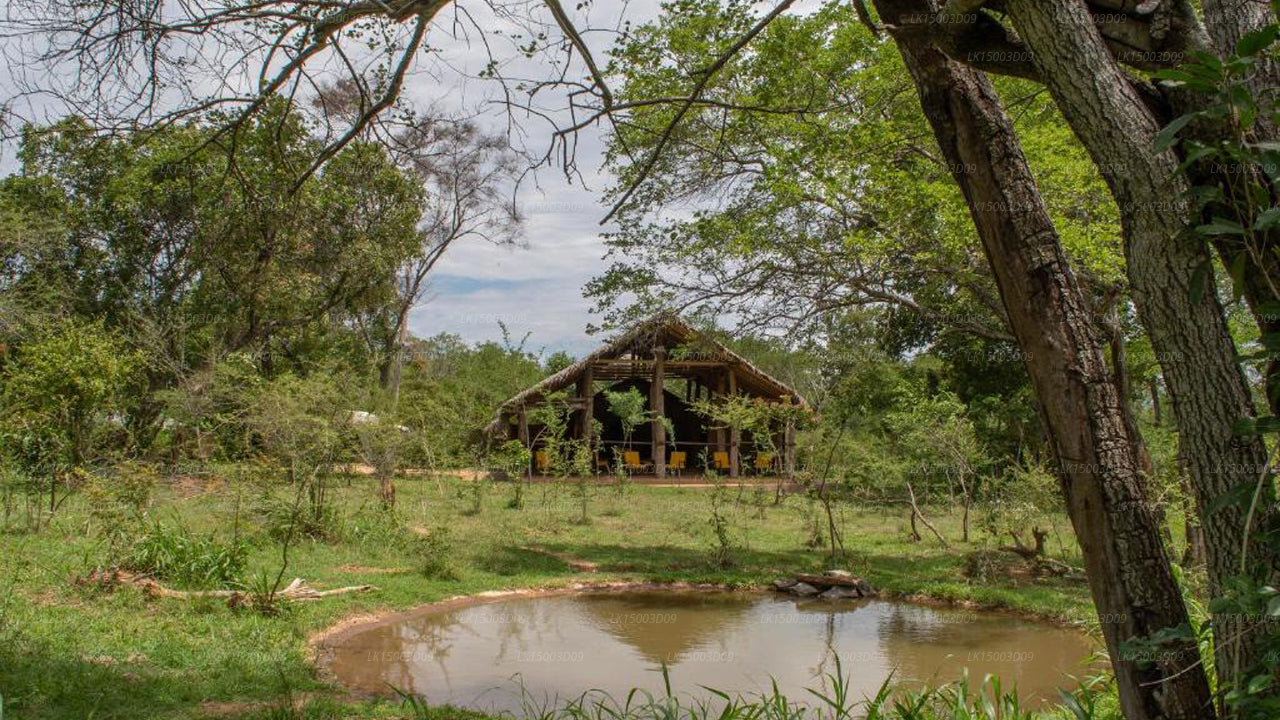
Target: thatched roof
666,330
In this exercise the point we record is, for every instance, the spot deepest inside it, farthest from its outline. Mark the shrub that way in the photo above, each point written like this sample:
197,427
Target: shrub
186,558
282,518
376,527
435,552
118,503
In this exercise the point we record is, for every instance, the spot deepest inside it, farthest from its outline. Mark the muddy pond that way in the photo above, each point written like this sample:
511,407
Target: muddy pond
497,655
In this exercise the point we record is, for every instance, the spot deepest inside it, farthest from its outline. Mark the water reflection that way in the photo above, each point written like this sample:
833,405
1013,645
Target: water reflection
562,646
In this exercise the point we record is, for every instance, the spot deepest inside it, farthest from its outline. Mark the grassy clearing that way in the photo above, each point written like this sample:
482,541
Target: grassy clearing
71,650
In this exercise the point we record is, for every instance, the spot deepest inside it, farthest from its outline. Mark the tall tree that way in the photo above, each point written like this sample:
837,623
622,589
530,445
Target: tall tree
1186,323
1049,315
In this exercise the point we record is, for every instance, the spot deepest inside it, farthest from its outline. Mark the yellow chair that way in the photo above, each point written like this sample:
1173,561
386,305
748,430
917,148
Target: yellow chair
541,460
631,459
677,462
764,461
722,460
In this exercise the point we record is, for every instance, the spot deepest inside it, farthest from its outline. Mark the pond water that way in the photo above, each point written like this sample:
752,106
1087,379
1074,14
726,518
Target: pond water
559,646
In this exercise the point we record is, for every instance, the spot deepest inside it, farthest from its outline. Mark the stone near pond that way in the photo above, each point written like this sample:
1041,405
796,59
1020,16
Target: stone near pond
864,588
784,583
837,592
803,589
838,574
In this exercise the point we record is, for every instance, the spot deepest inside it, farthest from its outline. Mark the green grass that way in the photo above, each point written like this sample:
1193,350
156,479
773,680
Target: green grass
69,650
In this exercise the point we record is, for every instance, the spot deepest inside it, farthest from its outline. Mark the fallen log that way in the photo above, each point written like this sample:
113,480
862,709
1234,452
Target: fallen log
295,590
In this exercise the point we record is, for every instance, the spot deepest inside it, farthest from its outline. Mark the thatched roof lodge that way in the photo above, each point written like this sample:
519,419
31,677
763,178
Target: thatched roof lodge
673,365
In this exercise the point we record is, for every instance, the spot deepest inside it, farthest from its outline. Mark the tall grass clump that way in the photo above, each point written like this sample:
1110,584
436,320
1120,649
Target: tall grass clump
988,700
178,555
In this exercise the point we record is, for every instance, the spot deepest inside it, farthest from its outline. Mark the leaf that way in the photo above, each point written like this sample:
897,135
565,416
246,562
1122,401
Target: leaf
1238,266
1273,606
1195,156
1221,226
1168,134
1199,278
1256,426
1237,495
1267,219
1256,41
1258,683
1207,61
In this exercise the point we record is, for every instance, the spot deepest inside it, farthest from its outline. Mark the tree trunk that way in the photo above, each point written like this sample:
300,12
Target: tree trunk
1227,21
387,490
1188,331
1129,574
1194,554
1154,386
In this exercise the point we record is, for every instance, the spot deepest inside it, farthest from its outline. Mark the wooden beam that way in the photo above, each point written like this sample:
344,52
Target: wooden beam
735,434
670,364
656,403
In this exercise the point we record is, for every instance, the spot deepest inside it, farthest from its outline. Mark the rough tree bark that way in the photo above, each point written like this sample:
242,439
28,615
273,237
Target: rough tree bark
1229,20
1129,573
1188,331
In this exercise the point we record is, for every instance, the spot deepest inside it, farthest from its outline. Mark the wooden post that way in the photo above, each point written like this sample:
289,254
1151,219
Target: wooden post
524,433
656,406
735,435
587,391
789,450
718,431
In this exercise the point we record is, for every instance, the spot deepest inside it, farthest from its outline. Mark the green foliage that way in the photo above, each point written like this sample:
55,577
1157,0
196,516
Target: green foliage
436,552
120,502
60,387
283,519
724,546
630,407
450,390
511,460
174,553
1024,498
194,250
1236,189
759,417
816,179
374,527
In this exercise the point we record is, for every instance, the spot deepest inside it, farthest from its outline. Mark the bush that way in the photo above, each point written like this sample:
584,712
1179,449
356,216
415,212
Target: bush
118,503
376,527
185,558
282,519
435,552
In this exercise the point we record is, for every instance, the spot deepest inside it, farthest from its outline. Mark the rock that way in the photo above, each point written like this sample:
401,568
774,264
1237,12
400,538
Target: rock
864,588
784,583
803,589
838,573
837,592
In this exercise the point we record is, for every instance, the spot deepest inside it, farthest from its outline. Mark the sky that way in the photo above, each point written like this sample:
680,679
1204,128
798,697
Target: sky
535,287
